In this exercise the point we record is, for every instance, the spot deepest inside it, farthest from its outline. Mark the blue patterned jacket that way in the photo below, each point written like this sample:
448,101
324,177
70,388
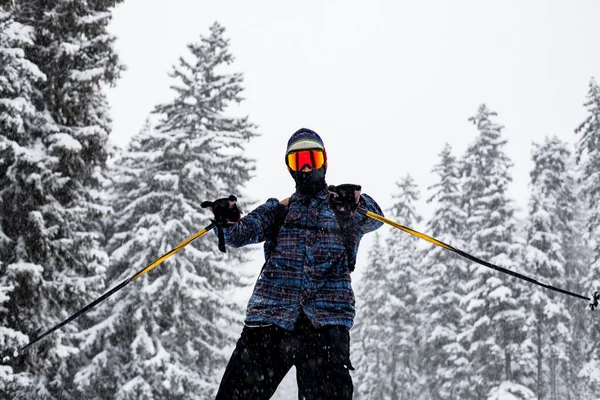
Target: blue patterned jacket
308,268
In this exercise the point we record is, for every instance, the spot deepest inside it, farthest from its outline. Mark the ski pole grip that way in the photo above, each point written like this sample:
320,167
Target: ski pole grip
226,213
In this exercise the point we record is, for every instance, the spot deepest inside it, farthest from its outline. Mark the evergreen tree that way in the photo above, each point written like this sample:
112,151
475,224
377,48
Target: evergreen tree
17,116
403,258
51,205
374,327
588,152
387,324
588,157
579,256
441,289
549,225
169,335
494,317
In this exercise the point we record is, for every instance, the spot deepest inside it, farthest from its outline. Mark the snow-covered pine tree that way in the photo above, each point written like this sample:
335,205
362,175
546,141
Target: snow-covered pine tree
386,336
579,256
18,116
168,335
588,152
374,327
588,157
403,261
55,261
444,273
494,318
548,227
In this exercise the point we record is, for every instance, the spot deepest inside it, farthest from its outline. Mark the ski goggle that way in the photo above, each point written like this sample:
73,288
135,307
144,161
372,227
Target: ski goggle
297,159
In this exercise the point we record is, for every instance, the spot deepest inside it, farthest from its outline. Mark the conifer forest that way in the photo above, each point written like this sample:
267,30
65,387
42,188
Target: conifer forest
78,215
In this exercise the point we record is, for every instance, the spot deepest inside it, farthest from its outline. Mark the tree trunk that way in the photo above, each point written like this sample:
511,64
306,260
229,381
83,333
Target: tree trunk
540,359
553,377
507,372
394,389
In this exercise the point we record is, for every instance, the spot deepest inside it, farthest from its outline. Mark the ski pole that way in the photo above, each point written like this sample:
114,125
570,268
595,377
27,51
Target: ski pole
593,300
112,291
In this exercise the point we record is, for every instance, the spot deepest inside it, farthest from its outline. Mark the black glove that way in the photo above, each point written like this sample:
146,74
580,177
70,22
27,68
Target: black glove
226,210
226,214
345,198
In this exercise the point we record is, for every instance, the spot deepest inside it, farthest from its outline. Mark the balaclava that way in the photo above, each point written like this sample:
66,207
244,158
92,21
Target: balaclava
307,182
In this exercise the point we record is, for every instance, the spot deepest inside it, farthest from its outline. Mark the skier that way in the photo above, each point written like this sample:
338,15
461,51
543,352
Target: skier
302,306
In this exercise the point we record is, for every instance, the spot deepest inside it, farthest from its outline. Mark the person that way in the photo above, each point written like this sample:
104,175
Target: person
302,306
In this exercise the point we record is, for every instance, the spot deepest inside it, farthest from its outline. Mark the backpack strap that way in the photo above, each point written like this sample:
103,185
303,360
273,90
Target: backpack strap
277,224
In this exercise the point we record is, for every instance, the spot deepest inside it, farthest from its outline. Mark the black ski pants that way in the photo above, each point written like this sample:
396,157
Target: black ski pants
264,355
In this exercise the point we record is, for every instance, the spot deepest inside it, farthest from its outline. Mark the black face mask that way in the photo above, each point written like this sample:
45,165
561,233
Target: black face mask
310,183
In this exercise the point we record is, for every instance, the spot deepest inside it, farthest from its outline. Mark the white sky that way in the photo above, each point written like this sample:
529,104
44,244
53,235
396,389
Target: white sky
385,83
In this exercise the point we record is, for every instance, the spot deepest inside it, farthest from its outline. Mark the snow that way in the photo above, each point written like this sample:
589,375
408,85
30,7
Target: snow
133,385
15,31
10,338
591,371
65,351
288,389
87,75
511,391
94,18
62,142
143,341
500,293
70,48
26,268
553,309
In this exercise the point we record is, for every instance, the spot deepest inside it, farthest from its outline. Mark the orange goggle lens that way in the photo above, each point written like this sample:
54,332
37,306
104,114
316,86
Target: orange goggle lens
298,159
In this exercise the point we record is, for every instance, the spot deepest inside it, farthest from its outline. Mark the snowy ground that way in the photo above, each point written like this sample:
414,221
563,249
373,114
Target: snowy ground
288,390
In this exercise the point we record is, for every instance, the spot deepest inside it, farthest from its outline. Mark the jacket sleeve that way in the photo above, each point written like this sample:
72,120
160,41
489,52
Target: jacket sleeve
254,227
365,223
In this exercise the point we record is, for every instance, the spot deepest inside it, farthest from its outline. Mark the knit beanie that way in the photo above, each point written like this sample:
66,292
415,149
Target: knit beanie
304,139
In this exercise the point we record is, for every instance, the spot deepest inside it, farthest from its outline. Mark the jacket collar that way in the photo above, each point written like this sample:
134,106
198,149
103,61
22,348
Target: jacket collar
321,194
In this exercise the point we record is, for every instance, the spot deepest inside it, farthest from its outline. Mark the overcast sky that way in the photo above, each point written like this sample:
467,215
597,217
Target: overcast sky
385,83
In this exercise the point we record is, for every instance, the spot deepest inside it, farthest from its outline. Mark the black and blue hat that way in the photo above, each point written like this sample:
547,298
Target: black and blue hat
304,139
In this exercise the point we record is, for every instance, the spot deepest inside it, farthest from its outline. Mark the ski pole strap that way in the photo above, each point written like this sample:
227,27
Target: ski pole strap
593,300
221,237
6,354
